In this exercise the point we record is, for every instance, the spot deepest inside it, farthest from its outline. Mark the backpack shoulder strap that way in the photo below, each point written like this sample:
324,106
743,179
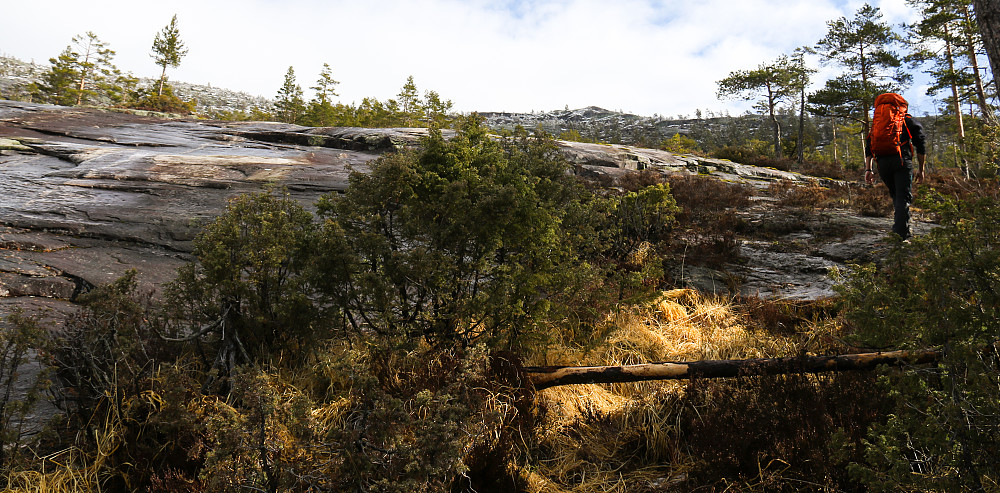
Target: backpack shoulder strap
909,136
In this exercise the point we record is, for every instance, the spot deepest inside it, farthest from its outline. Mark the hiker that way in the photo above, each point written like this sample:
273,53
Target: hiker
890,144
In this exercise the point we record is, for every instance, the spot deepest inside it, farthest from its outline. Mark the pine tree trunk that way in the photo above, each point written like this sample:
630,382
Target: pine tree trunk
867,102
776,130
777,135
83,76
988,18
954,86
163,75
970,52
79,88
802,126
835,160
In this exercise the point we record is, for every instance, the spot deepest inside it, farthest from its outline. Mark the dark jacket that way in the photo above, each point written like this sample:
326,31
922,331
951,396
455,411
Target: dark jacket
916,131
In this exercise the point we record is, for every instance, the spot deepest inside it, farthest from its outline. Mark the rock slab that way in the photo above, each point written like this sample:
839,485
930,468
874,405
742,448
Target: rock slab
89,193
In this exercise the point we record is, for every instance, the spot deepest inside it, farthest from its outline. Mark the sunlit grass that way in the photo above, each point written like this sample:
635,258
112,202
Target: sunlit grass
619,437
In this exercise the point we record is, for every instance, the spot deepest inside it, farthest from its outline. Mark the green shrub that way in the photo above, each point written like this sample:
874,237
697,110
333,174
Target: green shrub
248,295
746,153
374,346
943,291
431,420
369,418
680,144
457,242
574,135
166,102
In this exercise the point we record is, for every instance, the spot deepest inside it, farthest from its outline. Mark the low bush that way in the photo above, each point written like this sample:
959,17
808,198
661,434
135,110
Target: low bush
708,219
680,144
783,164
746,153
166,102
780,433
869,201
807,196
938,291
701,196
825,169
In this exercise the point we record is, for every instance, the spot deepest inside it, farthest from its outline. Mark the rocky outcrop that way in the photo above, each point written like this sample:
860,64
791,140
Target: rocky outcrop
89,194
615,159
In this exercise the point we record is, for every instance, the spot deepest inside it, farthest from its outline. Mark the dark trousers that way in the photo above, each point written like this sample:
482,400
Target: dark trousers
897,174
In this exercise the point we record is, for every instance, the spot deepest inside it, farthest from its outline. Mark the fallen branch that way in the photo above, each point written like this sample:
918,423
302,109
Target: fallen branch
550,376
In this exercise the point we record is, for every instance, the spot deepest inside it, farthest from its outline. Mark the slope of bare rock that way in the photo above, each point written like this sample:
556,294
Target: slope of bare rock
790,253
90,193
123,177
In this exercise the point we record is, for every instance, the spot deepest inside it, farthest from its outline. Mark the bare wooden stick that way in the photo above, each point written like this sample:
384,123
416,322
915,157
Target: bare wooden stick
550,376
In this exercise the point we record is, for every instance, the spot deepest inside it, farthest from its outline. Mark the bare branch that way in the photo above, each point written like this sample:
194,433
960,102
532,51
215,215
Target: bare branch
202,331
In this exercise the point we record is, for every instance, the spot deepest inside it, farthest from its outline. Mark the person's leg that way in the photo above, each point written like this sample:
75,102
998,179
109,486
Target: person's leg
901,200
887,172
897,180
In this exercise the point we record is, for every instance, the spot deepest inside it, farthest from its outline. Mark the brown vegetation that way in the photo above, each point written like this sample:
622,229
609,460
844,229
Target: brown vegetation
749,433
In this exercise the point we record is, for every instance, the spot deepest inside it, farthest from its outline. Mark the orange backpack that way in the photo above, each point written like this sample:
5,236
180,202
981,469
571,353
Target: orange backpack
888,124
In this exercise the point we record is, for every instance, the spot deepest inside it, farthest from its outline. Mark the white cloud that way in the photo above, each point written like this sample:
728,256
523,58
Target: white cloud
644,56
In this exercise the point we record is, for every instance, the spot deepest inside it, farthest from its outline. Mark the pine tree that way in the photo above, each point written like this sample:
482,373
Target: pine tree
93,61
124,90
409,101
436,108
321,112
865,47
58,84
83,71
325,85
289,105
779,81
800,80
972,46
168,49
945,37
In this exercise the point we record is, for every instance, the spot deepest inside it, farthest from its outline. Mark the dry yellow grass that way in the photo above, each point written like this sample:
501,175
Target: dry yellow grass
681,325
72,470
579,452
62,480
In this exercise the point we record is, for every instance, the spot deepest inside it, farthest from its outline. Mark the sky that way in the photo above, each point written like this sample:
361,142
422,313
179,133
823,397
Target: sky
640,56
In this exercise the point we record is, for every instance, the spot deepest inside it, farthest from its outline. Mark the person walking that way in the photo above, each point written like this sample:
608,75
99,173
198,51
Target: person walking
890,145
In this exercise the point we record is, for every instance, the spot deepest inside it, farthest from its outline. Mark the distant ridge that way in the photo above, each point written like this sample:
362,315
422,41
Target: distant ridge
16,75
589,124
596,124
